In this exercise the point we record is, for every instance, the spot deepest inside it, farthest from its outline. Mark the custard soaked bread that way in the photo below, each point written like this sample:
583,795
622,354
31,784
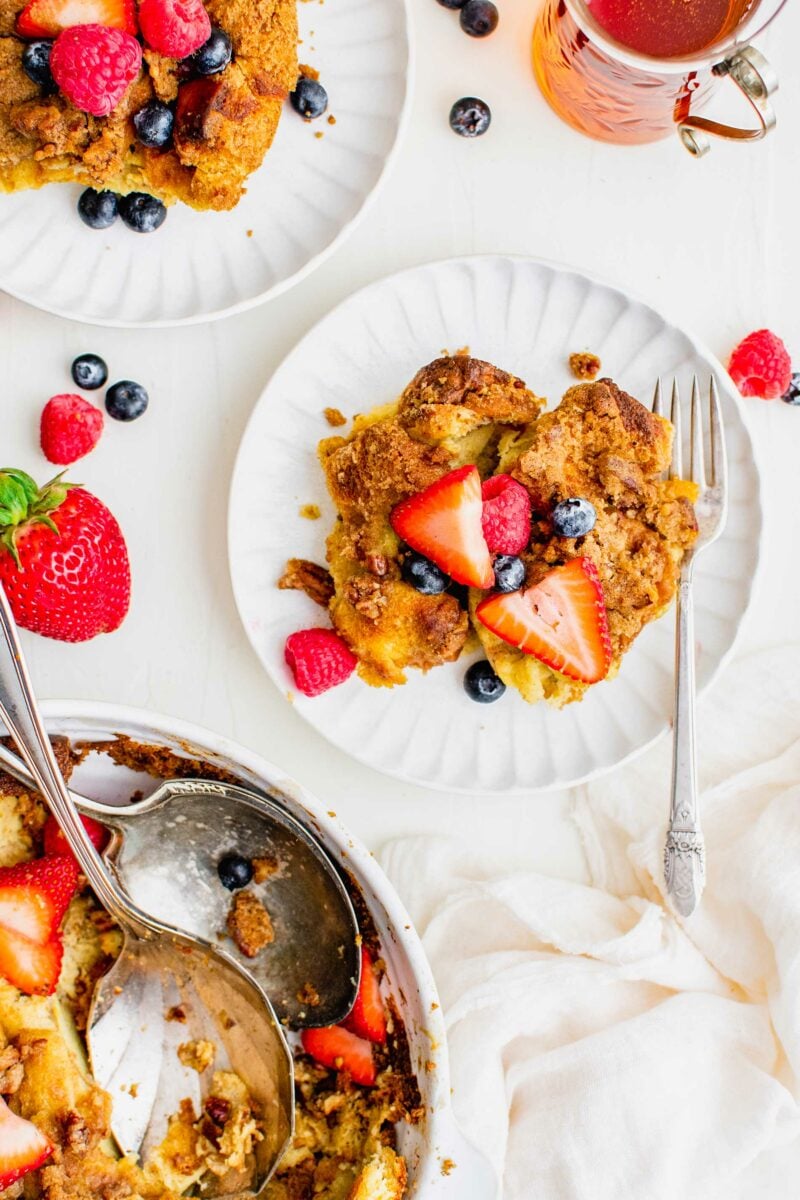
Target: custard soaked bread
224,122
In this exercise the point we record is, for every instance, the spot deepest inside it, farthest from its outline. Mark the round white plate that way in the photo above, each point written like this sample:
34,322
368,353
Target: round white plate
306,197
527,317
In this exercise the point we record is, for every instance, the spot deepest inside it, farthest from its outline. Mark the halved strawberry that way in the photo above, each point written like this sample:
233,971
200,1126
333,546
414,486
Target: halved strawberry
561,621
56,843
47,18
367,1018
35,895
444,522
31,968
23,1147
338,1048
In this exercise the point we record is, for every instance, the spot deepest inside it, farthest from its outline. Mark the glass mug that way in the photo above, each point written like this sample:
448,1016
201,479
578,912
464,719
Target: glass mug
632,91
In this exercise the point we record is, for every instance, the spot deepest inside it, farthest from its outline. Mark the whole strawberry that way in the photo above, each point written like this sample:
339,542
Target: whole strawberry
63,560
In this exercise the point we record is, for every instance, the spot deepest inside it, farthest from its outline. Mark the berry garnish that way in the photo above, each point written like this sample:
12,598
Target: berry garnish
56,843
23,1147
47,18
561,621
32,968
443,522
175,28
423,575
506,515
98,210
214,55
309,98
341,1050
142,213
63,560
319,659
479,18
470,117
574,518
89,371
760,366
482,684
126,400
36,64
70,428
509,573
153,124
35,895
368,1019
235,871
94,66
792,393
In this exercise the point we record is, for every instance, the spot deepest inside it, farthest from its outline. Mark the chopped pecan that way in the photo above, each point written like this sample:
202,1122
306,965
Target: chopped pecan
304,576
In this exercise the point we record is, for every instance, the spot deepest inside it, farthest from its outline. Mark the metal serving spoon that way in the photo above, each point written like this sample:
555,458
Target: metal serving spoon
165,853
159,974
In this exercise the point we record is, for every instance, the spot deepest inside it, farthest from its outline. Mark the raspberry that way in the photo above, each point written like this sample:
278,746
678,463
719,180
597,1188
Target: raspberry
174,28
760,366
506,515
319,660
70,428
94,66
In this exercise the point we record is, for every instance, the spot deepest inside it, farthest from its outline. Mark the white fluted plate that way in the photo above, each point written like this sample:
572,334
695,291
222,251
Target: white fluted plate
527,317
308,194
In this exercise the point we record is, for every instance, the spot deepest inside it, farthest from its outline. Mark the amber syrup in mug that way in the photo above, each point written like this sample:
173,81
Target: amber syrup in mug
668,28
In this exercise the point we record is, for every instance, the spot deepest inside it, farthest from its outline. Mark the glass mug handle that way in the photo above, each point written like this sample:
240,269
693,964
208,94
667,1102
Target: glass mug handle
757,81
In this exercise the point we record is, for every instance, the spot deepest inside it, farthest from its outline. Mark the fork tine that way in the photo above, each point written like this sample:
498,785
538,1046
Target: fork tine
719,460
696,458
676,466
658,408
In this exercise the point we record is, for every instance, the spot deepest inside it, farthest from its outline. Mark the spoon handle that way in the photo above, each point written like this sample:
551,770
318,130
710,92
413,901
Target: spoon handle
21,715
13,765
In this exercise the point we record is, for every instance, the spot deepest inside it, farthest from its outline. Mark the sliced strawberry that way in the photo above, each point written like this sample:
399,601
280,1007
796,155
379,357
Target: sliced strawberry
56,843
47,18
338,1048
368,1019
561,621
31,968
35,895
23,1147
445,524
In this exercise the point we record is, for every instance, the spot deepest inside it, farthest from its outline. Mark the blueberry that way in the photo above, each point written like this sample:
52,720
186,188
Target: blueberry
481,683
509,573
153,124
452,3
89,371
36,64
126,400
479,18
309,98
235,871
214,55
792,393
98,210
423,575
470,117
573,518
142,213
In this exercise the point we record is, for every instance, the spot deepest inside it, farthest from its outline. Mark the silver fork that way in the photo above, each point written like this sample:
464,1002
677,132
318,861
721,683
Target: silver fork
684,852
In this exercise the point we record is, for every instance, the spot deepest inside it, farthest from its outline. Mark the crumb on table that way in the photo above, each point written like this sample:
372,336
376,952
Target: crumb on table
198,1054
264,867
311,512
249,924
584,365
304,576
334,417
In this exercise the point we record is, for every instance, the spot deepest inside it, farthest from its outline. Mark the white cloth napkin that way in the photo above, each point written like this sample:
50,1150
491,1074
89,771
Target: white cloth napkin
601,1048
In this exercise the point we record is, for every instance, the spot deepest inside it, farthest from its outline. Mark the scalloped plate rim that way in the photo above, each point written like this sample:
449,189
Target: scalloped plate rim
299,275
629,295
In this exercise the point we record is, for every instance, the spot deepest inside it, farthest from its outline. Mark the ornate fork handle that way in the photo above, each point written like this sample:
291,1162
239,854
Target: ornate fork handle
684,853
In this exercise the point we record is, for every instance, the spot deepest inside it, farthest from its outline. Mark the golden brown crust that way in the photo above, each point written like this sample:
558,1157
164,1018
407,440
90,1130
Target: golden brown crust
224,124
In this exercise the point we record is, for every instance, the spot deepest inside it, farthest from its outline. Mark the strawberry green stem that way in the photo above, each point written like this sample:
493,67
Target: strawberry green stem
24,504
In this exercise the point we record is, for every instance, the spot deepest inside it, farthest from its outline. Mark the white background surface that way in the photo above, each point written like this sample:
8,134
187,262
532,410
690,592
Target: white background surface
713,243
